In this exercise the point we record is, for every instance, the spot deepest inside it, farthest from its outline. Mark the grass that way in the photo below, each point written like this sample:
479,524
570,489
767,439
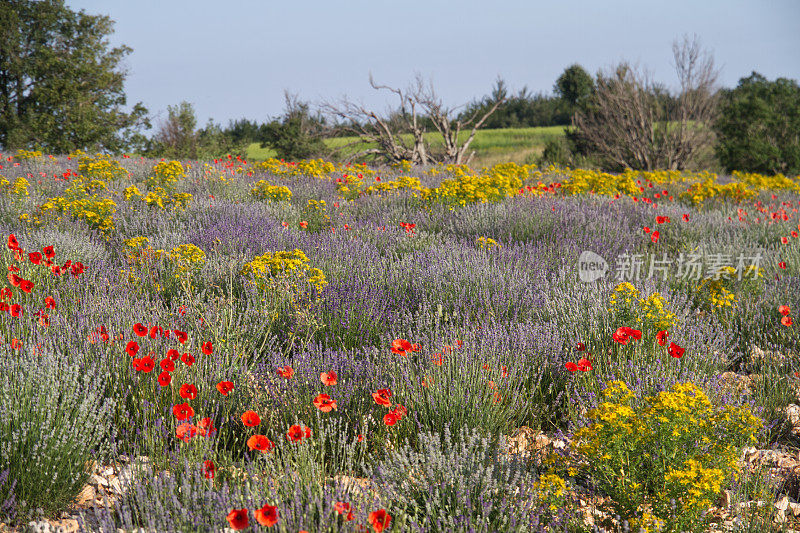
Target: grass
491,146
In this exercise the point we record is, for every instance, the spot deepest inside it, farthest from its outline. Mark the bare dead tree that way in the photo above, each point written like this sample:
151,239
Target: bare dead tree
391,132
635,123
442,118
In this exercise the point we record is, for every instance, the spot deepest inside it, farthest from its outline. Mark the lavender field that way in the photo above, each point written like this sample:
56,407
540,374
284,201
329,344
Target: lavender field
194,346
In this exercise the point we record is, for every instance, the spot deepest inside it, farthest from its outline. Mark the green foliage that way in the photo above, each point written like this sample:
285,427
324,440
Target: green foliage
518,111
758,126
62,86
574,86
178,137
296,135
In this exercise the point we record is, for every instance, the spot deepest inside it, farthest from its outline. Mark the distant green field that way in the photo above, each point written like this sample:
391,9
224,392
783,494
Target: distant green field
490,146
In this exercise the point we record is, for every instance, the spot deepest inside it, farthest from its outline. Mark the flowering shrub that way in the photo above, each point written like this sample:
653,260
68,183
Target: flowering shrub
82,200
650,313
17,191
673,446
165,175
488,243
101,167
26,155
263,190
698,193
283,268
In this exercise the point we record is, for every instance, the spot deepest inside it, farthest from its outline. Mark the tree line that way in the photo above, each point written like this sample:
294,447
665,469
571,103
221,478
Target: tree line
62,88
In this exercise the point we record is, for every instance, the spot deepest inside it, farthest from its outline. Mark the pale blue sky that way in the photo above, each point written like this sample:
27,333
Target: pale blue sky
234,59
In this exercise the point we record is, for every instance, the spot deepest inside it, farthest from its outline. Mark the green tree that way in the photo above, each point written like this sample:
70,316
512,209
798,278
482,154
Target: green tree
176,136
297,134
575,86
61,85
759,126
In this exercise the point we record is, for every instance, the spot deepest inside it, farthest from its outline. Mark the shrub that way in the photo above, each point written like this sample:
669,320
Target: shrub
671,448
53,416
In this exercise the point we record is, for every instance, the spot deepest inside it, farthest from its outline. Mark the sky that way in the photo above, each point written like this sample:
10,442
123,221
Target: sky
234,59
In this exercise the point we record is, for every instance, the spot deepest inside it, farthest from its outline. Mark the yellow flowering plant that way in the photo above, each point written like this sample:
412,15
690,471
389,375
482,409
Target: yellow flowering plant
265,191
649,314
670,448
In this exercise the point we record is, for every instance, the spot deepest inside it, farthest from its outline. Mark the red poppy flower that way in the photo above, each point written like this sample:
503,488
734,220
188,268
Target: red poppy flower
49,252
209,469
6,293
173,355
324,403
381,397
182,336
186,431
139,329
16,344
296,433
132,348
237,518
35,258
584,365
580,347
13,243
206,427
343,508
77,269
303,224
147,364
675,350
328,378
188,359
167,365
224,387
156,331
16,310
49,303
646,229
686,217
285,372
164,379
400,412
571,367
661,220
787,321
26,286
267,516
661,337
207,348
260,443
14,279
401,346
784,310
654,237
380,520
188,391
624,334
182,411
251,418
